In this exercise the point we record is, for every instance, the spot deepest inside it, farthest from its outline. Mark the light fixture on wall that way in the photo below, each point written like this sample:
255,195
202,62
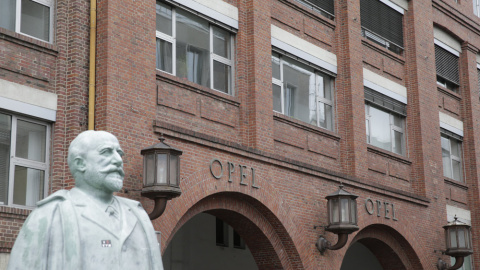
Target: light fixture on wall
342,218
459,244
161,175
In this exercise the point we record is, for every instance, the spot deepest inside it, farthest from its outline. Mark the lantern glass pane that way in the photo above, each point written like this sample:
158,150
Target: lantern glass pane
173,170
345,210
453,237
149,169
161,169
335,211
461,238
353,211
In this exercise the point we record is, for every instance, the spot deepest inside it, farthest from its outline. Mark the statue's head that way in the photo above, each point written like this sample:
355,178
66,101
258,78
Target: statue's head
95,161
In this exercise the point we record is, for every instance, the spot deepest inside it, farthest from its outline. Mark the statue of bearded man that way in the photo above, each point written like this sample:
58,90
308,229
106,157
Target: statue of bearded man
88,227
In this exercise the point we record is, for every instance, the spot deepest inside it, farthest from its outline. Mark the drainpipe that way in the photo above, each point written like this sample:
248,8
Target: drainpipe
91,82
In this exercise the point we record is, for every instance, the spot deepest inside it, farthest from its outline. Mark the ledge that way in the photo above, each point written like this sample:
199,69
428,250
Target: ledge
28,42
455,183
199,89
213,142
388,154
449,92
372,45
305,126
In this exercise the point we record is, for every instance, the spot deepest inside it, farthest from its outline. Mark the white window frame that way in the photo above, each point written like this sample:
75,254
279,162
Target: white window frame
17,161
456,158
18,19
393,127
318,86
476,7
213,56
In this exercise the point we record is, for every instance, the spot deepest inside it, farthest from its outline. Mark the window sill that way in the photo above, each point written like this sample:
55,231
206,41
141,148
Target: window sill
200,89
15,211
455,183
305,126
388,154
372,45
449,92
29,42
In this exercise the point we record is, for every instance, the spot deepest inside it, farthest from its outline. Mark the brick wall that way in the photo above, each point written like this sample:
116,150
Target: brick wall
296,164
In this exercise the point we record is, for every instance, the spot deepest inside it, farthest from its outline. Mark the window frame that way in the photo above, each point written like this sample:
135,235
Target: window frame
22,162
459,140
318,81
50,4
213,57
308,4
392,127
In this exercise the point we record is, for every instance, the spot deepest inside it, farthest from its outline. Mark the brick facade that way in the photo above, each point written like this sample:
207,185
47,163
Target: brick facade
296,164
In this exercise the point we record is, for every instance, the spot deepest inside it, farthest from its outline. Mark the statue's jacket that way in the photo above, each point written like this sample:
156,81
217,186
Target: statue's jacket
62,234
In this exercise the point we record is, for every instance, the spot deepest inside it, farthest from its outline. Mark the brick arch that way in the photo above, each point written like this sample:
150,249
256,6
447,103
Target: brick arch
392,250
264,207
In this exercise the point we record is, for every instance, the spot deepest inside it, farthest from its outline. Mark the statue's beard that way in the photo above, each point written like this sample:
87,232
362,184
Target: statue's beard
107,180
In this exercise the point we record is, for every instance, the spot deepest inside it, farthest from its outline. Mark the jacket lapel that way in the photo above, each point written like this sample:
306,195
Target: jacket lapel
87,209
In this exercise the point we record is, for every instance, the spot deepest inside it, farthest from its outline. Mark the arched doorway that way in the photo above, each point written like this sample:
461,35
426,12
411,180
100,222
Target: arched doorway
207,242
264,235
380,247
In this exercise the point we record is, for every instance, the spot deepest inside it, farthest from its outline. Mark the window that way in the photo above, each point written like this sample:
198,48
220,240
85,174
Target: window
33,18
476,7
221,232
324,7
23,160
385,122
447,68
452,155
302,92
238,241
190,46
382,24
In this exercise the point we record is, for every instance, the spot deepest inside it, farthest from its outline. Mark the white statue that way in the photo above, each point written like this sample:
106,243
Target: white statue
87,227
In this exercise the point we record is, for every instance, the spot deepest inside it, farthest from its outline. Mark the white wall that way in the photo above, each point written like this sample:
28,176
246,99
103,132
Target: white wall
194,247
4,260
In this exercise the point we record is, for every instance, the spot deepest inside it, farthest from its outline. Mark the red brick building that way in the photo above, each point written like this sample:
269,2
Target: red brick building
288,98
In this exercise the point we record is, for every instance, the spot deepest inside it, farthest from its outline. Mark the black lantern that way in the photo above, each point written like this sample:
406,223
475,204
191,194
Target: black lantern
161,175
459,243
342,218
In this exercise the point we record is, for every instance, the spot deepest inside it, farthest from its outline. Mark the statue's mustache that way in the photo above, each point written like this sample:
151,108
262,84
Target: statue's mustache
112,169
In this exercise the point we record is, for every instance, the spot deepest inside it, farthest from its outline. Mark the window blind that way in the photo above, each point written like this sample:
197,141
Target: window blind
326,5
383,101
447,65
382,20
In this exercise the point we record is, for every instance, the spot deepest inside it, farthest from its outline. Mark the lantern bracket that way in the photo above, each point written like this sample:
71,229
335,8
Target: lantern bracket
441,265
323,244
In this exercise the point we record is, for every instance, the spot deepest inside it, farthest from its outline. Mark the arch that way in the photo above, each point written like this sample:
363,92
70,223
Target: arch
261,209
391,249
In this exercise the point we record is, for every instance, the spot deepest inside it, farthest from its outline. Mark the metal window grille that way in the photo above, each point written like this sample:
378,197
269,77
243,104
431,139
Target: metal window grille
447,65
382,20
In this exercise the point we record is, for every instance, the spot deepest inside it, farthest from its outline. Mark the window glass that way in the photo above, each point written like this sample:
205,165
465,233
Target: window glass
30,141
5,133
276,66
164,55
452,157
28,186
397,142
298,92
35,20
221,42
447,169
379,130
221,77
8,14
164,18
301,92
277,100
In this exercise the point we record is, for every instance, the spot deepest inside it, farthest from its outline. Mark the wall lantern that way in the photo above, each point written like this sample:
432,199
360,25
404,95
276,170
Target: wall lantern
342,218
161,175
459,244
